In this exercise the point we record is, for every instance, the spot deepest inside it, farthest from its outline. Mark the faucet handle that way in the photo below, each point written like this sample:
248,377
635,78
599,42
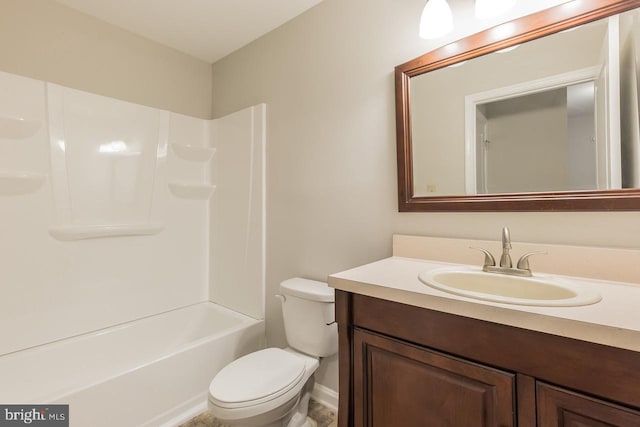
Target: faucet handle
523,262
489,260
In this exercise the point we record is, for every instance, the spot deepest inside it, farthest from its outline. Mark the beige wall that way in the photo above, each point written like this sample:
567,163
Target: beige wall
327,78
47,41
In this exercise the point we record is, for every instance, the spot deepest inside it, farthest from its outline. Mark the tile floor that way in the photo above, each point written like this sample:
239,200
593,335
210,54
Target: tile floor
321,414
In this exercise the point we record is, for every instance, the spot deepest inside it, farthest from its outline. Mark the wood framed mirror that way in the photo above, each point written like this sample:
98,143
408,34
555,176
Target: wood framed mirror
466,143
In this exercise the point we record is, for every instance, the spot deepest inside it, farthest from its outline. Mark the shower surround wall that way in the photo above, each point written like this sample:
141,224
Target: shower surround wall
238,209
105,208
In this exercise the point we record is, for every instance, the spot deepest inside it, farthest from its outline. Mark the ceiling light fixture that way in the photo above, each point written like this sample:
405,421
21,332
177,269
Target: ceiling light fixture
486,9
436,19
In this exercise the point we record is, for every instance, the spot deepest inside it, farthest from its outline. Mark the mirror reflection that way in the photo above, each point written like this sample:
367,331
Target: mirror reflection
544,141
543,116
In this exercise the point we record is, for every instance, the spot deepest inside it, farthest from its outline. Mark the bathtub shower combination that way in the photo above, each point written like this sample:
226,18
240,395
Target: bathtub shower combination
133,253
148,372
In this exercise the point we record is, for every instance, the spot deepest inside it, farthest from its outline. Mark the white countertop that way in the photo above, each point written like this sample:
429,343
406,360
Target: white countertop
614,321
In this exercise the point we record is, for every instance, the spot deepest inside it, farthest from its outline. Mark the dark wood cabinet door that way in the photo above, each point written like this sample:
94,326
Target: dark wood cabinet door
558,407
398,384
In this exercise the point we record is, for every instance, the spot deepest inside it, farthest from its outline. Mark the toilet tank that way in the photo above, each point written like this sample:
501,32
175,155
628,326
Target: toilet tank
308,309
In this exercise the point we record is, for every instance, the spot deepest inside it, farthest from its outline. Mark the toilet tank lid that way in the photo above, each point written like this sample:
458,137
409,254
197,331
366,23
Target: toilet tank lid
308,289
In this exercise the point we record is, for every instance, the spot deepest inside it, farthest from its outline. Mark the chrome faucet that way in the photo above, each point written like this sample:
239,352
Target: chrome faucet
505,259
506,266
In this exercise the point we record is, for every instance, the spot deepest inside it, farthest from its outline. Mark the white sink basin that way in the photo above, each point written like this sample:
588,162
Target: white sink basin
539,290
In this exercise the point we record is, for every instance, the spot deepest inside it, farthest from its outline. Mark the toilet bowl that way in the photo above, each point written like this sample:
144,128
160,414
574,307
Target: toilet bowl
261,388
272,387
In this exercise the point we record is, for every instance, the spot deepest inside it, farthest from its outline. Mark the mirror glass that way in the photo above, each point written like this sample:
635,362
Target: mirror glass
555,114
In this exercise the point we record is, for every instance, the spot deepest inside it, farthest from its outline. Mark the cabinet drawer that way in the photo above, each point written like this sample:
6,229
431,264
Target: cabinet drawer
400,384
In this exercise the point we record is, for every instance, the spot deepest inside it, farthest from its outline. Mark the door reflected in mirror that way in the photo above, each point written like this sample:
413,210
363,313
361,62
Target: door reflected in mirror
537,142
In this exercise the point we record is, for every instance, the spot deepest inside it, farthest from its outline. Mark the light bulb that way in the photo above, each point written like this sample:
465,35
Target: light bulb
508,49
436,19
486,9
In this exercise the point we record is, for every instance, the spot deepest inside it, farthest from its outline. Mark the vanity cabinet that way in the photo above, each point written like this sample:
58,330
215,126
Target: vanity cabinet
407,366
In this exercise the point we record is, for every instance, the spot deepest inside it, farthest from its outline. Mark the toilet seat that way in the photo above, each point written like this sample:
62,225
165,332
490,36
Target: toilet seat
257,378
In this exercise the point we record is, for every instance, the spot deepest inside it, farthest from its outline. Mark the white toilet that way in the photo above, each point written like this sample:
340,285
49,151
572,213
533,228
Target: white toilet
272,387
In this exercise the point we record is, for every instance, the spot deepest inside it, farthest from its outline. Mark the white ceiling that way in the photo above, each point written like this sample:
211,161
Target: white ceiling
206,29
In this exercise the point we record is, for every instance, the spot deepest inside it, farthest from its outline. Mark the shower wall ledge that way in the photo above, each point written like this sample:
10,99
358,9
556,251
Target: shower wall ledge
73,232
193,153
17,183
191,190
17,127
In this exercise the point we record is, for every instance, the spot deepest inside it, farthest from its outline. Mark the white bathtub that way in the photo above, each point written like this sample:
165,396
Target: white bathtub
149,372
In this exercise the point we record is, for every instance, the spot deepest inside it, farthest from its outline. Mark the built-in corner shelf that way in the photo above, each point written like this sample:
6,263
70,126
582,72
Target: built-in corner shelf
17,183
18,128
193,153
188,190
72,232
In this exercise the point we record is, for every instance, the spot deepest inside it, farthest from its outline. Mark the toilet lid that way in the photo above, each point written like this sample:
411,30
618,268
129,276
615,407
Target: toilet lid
257,377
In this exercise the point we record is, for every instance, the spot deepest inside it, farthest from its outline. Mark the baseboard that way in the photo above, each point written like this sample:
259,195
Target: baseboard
325,396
